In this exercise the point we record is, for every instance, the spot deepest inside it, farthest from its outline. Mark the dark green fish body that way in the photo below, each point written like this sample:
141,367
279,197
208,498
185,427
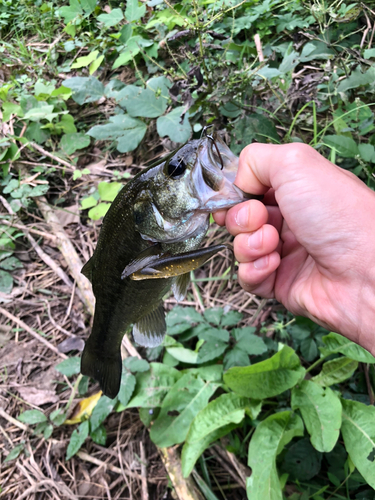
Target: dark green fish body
149,241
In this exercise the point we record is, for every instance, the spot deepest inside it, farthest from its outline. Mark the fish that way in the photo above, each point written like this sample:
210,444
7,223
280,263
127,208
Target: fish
150,240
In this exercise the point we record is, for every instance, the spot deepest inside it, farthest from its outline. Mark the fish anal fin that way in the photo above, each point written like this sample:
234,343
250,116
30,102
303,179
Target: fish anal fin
149,331
180,286
87,269
105,369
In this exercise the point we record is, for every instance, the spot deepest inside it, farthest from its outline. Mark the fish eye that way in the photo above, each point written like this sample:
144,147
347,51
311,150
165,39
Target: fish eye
176,167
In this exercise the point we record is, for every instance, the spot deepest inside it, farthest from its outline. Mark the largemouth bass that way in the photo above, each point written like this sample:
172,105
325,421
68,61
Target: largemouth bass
149,242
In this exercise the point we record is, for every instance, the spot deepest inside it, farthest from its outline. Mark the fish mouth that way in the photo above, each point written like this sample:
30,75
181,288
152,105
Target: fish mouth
214,174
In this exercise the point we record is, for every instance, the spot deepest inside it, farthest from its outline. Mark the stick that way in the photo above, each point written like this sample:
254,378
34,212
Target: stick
36,336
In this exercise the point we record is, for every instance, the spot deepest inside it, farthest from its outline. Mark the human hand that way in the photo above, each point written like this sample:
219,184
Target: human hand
311,245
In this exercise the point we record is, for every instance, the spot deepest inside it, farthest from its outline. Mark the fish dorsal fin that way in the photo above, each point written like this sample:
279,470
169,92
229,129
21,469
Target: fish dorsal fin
87,269
180,286
150,330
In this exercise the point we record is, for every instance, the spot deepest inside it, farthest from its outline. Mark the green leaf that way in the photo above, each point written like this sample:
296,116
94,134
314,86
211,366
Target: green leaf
84,61
109,190
135,364
269,439
188,396
180,319
215,420
10,108
153,385
85,89
321,412
357,79
214,315
126,388
42,112
70,13
95,64
127,130
345,146
309,349
268,378
133,47
32,417
126,33
134,11
70,366
210,373
336,371
248,342
369,53
88,5
99,436
358,431
337,343
15,452
88,202
171,125
6,282
99,211
302,461
66,124
210,350
183,354
253,127
213,334
367,152
11,263
231,318
142,102
71,142
111,19
101,411
235,357
77,439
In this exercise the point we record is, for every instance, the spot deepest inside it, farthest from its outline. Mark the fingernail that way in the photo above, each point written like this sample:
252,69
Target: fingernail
242,217
255,240
261,263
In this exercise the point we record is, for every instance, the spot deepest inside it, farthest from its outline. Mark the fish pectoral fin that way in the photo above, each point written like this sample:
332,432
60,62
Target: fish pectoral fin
180,286
142,261
105,368
149,331
87,270
177,265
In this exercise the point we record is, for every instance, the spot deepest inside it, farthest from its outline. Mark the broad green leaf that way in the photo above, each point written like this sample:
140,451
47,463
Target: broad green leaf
253,127
231,318
235,357
180,319
336,371
126,388
357,79
268,378
71,12
337,343
101,411
210,373
84,61
99,211
10,108
133,47
345,146
192,451
188,396
226,409
213,315
70,366
85,89
126,33
214,334
32,417
66,124
15,452
88,202
95,64
321,412
302,461
10,264
369,53
183,354
367,152
171,125
134,10
77,439
6,282
42,112
88,5
309,349
72,142
248,342
152,386
358,431
135,364
111,19
316,50
127,130
109,190
269,439
210,350
99,436
142,102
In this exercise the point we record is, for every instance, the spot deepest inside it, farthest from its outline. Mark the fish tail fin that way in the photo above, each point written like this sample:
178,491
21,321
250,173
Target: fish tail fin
105,369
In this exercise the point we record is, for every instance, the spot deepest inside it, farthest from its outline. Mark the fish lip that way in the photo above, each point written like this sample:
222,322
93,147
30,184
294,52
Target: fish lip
212,178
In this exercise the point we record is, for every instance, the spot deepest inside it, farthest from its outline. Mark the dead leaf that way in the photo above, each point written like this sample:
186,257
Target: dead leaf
97,168
71,344
37,397
83,409
68,215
